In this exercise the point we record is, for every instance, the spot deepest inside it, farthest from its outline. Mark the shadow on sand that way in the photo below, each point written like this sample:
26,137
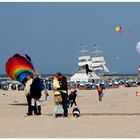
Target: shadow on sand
110,114
19,104
100,114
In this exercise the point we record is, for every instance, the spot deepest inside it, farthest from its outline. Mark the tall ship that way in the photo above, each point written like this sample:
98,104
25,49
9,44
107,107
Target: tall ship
90,67
99,63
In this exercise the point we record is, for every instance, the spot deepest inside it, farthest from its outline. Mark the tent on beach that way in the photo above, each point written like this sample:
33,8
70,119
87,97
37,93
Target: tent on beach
83,77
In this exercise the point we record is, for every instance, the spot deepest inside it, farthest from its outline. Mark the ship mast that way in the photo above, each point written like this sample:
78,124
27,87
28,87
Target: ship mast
96,52
83,49
98,62
84,71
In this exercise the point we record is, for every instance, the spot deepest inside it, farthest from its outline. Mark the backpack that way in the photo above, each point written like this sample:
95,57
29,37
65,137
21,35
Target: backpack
40,85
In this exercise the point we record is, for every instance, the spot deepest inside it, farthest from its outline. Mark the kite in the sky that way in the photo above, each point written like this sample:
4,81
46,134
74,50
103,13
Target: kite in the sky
119,29
19,66
138,47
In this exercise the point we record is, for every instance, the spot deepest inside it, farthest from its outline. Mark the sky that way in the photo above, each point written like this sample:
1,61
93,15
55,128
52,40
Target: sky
51,34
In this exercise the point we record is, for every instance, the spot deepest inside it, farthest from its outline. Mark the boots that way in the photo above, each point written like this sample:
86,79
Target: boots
35,110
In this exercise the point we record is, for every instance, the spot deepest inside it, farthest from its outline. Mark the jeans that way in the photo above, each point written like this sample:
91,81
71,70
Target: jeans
65,104
100,96
56,107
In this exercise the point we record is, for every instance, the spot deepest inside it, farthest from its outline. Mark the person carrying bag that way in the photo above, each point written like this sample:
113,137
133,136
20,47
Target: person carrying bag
57,95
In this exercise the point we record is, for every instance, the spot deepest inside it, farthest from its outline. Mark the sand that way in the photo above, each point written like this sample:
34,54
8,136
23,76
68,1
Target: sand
117,116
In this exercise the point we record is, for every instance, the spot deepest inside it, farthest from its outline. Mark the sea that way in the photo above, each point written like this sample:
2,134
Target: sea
5,76
50,75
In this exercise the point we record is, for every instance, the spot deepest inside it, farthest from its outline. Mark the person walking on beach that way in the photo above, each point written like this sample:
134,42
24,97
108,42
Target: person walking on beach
46,94
36,88
72,98
100,92
57,94
27,83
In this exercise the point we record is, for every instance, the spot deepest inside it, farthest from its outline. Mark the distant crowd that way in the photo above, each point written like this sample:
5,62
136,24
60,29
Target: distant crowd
48,84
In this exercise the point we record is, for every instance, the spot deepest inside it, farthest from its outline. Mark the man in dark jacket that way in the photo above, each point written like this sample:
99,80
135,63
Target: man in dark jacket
35,92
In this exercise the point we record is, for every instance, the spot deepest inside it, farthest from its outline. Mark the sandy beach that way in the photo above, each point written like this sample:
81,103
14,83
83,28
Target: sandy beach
117,116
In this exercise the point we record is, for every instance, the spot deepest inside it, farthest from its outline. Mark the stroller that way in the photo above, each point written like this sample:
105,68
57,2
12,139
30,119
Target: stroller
76,112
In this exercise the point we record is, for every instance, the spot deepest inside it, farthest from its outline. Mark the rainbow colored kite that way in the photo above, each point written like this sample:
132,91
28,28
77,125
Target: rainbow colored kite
19,66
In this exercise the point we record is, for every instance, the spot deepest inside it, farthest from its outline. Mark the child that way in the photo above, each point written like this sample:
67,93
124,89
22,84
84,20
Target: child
72,98
100,92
